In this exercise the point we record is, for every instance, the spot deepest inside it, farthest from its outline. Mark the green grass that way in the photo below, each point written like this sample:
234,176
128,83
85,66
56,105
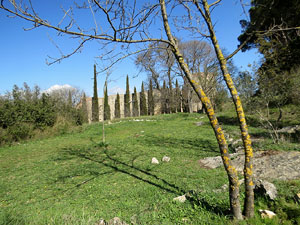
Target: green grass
75,179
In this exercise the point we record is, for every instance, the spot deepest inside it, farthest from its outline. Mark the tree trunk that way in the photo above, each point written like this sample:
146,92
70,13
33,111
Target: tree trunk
248,166
231,171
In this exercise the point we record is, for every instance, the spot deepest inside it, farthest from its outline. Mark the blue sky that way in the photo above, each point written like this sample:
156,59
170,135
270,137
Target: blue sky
23,53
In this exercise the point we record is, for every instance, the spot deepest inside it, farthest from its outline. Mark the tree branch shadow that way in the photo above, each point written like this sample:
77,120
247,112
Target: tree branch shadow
196,144
117,165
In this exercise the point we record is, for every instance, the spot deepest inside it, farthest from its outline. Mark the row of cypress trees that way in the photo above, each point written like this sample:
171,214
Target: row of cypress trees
137,109
170,101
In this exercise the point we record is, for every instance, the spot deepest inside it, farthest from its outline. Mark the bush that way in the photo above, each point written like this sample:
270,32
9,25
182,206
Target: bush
24,113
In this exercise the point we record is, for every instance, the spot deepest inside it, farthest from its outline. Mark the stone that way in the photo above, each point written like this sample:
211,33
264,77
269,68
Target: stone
101,222
154,161
265,188
266,213
198,124
116,221
166,159
181,198
211,162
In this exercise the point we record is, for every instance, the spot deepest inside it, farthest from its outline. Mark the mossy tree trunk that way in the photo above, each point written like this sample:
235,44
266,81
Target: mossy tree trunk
231,171
248,166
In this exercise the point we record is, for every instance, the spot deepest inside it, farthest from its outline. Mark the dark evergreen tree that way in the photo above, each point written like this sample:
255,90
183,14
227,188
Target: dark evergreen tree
117,107
150,99
163,98
172,102
127,112
84,110
135,104
95,103
106,105
185,97
143,103
274,30
177,98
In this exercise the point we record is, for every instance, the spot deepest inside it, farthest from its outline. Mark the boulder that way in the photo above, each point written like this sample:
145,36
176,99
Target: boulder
266,213
181,198
166,159
154,161
211,162
265,188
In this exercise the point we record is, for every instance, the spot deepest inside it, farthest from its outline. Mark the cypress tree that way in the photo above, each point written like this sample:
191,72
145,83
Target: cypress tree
150,99
95,103
163,98
177,99
143,105
127,99
84,110
135,104
185,97
106,105
117,107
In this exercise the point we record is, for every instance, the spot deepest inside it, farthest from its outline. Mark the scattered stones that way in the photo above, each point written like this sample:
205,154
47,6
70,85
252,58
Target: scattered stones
266,213
114,221
181,198
154,161
166,159
265,188
198,124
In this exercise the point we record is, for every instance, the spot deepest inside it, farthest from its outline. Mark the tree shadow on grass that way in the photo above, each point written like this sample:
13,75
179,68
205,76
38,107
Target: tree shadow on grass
197,144
233,121
110,161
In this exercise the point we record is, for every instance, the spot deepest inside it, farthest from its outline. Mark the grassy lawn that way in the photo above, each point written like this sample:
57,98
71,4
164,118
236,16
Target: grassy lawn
74,179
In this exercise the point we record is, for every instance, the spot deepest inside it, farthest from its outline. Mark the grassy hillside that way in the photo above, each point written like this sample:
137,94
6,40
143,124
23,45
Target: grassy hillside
75,179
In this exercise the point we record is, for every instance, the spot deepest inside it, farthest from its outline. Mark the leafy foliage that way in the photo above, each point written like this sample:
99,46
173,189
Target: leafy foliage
25,111
273,29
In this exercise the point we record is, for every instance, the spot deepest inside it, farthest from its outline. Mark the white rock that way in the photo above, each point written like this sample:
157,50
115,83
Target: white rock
265,187
266,213
166,159
181,198
154,161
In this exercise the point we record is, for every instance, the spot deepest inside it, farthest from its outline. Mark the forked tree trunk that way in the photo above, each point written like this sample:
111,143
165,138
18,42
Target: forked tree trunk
231,171
248,166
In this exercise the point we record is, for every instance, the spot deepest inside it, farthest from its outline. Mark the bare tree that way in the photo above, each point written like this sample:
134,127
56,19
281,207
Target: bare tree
130,22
